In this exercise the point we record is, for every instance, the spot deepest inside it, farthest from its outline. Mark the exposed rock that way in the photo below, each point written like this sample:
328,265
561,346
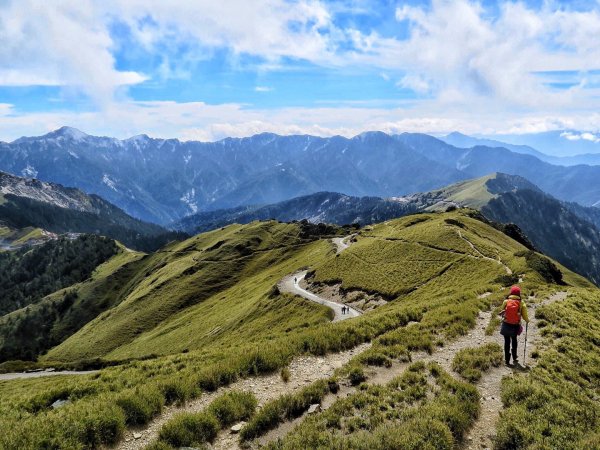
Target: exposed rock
137,435
237,427
314,408
59,403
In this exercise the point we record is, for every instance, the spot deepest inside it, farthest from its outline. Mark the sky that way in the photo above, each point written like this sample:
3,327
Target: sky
206,69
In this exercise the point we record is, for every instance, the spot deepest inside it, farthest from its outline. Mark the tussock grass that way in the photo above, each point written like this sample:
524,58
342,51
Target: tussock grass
400,414
197,429
189,430
284,408
141,404
471,363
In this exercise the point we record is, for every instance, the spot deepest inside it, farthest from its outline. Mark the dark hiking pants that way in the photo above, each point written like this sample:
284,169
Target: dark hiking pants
510,333
508,340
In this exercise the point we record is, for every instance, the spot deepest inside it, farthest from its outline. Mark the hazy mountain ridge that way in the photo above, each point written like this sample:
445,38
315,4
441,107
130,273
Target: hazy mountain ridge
32,203
326,207
463,141
162,180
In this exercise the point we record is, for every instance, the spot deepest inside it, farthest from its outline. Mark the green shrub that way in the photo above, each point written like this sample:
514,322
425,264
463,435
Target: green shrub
285,374
286,407
178,390
141,404
232,407
189,429
470,363
356,376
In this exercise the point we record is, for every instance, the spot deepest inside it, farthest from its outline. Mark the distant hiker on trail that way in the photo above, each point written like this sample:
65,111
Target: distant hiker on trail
343,310
295,280
513,310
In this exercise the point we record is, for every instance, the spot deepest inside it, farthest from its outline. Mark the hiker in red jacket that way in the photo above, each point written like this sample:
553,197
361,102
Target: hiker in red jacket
513,310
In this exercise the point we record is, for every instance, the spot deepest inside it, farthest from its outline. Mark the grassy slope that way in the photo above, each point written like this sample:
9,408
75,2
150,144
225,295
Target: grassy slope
20,236
56,317
472,193
272,329
199,284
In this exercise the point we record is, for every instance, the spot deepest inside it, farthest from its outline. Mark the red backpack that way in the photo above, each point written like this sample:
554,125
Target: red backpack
512,312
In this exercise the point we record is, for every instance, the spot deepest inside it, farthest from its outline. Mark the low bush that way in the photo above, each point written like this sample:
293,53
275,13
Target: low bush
232,407
141,404
286,407
189,430
178,390
470,363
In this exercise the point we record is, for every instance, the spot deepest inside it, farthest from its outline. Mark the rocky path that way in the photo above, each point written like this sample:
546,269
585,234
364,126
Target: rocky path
291,284
303,370
481,434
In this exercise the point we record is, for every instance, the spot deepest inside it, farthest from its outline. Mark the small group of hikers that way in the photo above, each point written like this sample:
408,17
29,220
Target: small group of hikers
513,310
345,309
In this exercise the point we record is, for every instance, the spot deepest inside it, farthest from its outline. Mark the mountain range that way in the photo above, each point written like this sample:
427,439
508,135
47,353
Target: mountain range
162,180
568,232
463,141
27,204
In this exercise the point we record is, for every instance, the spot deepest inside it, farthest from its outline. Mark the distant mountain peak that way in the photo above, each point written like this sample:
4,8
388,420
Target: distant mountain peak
68,132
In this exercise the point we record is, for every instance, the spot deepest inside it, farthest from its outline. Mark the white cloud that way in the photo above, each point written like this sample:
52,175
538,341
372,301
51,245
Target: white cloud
458,47
200,121
63,44
474,72
586,136
263,89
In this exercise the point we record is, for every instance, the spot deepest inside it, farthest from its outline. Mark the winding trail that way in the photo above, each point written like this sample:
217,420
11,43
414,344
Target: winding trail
340,243
291,284
44,373
481,255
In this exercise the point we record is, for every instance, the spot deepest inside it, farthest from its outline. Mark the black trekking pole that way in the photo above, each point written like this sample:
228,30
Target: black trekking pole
525,346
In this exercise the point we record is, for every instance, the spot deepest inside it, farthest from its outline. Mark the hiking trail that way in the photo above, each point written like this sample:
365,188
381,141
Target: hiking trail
481,433
291,284
304,370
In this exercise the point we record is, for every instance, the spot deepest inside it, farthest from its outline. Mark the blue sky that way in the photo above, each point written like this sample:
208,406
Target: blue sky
204,69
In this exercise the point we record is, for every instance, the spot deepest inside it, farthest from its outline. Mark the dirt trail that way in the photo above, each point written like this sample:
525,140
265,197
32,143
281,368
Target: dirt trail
481,255
481,434
44,373
304,370
291,284
341,243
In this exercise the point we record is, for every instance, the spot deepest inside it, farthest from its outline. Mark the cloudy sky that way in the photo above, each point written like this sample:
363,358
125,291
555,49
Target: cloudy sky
205,69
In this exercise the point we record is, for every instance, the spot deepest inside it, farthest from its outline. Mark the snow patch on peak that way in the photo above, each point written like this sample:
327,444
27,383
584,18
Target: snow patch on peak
70,132
109,182
29,172
189,198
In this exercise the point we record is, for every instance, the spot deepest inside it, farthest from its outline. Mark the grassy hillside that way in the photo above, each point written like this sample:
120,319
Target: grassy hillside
28,274
209,306
60,314
189,293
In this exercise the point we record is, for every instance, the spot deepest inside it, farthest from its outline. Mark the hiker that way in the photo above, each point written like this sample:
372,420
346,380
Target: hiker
295,280
513,310
343,310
